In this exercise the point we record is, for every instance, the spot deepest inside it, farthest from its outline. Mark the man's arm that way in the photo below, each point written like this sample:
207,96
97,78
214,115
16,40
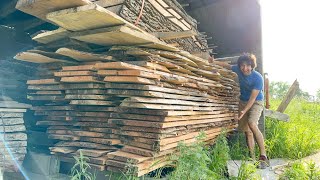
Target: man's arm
252,99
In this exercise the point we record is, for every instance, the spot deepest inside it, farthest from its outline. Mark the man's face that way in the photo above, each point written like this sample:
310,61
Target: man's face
246,69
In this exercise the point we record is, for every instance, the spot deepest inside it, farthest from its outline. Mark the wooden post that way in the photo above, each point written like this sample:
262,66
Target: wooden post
289,96
266,90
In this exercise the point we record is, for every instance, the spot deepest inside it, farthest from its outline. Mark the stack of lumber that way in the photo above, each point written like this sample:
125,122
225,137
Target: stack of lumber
90,107
13,137
45,93
164,106
166,19
135,90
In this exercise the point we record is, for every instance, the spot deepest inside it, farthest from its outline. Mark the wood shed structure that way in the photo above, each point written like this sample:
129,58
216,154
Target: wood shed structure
121,81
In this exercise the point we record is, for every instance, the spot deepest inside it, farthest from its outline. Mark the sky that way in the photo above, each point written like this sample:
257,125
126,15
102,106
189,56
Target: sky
291,41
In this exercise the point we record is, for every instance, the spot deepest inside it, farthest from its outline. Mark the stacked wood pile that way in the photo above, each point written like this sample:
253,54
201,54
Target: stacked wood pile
13,137
160,17
138,100
165,19
13,143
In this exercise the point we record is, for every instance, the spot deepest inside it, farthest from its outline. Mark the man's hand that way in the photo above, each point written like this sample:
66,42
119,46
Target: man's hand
241,114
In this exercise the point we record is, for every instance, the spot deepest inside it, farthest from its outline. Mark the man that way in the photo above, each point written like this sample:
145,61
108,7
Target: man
251,103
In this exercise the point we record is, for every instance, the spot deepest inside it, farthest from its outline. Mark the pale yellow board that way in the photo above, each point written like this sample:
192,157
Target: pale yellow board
83,56
121,35
86,17
51,36
40,8
37,58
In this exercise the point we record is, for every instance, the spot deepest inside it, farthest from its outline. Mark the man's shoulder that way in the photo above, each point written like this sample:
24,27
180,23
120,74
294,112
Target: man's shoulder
257,75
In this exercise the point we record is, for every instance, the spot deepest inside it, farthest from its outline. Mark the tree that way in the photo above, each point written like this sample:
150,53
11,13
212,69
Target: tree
278,89
318,95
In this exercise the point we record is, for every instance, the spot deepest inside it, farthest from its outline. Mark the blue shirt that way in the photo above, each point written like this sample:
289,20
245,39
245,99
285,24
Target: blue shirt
248,83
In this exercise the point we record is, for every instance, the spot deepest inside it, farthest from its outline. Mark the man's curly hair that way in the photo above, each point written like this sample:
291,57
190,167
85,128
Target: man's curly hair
247,58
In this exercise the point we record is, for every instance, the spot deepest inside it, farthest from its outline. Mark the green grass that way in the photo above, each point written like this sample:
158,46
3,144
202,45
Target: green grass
301,170
297,138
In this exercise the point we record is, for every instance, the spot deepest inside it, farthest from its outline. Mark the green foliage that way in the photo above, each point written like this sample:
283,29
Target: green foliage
80,170
238,147
196,161
297,138
278,89
301,170
220,155
247,171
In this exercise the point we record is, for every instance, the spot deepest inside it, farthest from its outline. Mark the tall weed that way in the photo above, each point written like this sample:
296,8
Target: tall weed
297,138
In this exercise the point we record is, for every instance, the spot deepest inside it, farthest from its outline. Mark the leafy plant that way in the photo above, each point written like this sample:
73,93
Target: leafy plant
197,161
301,170
80,170
247,171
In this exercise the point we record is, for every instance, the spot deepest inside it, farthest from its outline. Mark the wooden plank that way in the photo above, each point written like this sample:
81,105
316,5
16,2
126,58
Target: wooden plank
276,115
149,65
42,81
168,124
128,79
18,143
85,145
92,152
14,104
46,98
52,108
4,110
63,137
138,73
83,86
101,140
172,90
289,96
88,97
40,8
78,79
79,68
174,35
120,66
83,56
11,121
121,35
86,91
73,73
13,128
46,93
94,124
130,93
45,87
63,150
168,118
92,102
38,58
108,3
51,36
14,136
91,16
212,103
